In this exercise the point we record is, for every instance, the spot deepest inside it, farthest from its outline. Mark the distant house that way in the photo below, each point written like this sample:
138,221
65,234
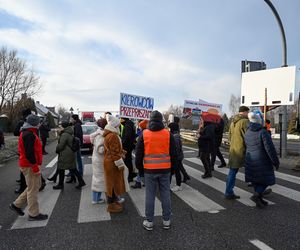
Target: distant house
42,111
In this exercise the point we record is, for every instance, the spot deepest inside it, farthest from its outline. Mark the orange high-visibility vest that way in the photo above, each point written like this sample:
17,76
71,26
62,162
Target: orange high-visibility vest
156,148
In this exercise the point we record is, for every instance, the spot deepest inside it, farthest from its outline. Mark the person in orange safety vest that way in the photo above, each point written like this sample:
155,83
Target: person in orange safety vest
156,152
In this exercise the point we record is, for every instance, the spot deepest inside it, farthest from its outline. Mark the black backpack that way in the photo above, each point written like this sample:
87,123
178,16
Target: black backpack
75,144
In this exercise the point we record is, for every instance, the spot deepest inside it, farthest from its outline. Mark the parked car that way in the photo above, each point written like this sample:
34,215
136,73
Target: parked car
88,129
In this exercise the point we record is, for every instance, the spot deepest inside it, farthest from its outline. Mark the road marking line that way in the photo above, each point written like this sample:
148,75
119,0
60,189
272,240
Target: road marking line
196,200
260,245
281,190
194,149
218,184
138,197
52,163
89,212
189,151
283,176
47,200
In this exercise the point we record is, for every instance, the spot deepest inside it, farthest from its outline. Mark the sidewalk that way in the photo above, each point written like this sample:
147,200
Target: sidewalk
10,150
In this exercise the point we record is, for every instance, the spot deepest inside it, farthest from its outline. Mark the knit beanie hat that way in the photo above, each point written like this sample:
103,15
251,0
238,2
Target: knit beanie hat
174,127
176,119
101,122
156,116
112,121
255,118
33,120
243,109
75,117
143,124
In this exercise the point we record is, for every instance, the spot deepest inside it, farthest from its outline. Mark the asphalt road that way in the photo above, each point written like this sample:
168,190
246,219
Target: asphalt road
202,218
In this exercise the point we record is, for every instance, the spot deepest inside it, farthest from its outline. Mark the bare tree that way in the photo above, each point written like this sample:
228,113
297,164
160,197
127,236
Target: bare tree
234,104
15,79
63,111
173,109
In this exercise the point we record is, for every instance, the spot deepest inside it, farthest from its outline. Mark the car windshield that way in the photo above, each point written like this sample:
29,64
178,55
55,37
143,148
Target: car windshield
87,130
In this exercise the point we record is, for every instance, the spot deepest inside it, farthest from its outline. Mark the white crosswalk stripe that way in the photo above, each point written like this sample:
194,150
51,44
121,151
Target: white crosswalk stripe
47,200
283,176
196,200
218,184
89,212
279,189
138,198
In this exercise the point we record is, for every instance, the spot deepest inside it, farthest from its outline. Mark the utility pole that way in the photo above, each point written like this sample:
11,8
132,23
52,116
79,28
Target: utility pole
283,136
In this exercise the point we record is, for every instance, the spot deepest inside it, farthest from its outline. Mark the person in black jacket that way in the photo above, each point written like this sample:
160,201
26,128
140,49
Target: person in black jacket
79,134
128,139
206,144
218,142
175,131
44,133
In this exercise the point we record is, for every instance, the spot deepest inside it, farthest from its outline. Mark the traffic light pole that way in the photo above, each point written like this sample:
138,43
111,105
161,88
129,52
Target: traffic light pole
283,136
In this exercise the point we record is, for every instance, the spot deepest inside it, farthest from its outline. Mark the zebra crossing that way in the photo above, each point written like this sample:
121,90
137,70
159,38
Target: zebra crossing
197,199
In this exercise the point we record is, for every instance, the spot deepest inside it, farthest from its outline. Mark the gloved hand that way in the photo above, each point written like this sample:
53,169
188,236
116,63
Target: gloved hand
277,167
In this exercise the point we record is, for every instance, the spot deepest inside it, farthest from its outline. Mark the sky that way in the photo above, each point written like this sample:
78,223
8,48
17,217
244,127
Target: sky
87,52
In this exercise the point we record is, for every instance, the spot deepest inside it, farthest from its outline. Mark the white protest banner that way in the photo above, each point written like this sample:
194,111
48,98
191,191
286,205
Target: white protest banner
195,108
134,106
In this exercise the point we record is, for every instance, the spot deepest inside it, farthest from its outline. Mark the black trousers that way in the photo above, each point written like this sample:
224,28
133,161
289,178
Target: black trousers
178,171
205,158
218,153
44,142
75,174
128,163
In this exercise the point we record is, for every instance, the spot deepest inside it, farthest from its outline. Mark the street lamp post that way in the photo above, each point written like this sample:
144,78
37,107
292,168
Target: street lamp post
283,135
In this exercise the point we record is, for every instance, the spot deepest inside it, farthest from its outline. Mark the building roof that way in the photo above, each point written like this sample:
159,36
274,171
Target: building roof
43,111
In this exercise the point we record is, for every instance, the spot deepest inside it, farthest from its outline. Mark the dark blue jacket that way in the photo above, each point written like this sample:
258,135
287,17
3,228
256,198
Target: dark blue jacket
260,157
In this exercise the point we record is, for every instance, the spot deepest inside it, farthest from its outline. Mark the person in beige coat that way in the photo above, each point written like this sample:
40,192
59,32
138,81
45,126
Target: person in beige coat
114,165
98,180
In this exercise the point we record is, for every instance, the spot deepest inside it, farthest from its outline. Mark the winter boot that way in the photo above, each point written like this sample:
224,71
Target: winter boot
257,199
114,208
60,185
137,185
54,177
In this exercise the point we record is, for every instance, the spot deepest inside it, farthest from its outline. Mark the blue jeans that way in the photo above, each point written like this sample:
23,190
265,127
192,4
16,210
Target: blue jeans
96,196
79,162
230,182
258,188
163,181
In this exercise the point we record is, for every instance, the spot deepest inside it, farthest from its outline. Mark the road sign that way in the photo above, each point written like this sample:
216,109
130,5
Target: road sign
279,82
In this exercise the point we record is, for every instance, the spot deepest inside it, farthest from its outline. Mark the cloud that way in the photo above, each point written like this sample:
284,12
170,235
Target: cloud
87,53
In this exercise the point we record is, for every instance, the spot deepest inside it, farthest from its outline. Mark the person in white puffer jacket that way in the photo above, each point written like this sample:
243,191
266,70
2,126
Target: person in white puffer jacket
98,179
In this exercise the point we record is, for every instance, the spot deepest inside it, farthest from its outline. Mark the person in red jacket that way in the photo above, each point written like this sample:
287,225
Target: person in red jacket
30,160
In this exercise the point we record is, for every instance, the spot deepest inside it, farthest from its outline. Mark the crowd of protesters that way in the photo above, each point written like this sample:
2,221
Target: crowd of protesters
158,155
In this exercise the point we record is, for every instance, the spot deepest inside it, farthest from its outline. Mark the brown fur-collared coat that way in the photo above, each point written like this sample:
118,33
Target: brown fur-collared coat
113,152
